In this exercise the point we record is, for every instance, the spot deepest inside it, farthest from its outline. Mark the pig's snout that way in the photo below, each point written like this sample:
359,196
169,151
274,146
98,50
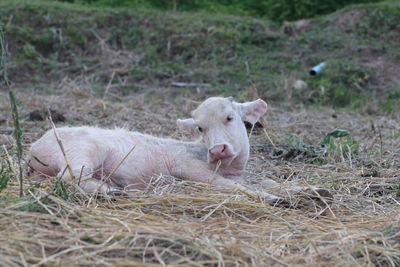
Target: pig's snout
219,152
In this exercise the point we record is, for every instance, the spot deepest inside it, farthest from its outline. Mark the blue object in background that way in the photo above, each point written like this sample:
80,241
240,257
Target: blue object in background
317,69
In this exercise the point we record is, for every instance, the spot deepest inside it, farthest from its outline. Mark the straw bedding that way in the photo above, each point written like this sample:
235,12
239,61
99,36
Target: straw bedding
179,223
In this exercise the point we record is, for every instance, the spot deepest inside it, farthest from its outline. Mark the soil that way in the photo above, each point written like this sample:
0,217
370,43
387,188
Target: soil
358,185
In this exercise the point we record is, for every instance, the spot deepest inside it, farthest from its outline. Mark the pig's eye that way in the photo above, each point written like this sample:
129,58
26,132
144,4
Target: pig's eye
229,118
199,129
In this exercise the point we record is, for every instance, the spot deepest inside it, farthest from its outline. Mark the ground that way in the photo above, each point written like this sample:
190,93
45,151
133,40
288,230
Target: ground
177,222
90,69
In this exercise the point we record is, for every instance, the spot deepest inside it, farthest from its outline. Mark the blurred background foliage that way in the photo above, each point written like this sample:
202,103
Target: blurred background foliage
276,10
144,46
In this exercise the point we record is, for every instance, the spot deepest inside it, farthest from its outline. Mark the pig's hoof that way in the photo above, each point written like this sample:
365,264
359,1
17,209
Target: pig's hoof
116,192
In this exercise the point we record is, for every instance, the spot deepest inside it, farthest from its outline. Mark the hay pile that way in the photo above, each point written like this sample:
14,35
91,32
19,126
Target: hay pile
186,224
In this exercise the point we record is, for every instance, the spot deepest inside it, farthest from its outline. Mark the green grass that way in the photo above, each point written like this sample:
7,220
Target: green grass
14,111
234,54
392,102
5,175
282,10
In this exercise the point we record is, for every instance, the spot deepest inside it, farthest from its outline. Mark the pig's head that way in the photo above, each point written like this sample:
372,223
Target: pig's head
219,121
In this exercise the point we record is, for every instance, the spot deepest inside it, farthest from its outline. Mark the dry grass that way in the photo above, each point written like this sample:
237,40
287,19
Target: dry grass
184,224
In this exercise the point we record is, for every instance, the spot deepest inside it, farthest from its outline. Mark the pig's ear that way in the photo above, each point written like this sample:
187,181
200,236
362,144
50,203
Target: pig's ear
187,125
251,111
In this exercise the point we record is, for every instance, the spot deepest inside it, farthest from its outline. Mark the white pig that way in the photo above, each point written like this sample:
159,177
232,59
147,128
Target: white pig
107,159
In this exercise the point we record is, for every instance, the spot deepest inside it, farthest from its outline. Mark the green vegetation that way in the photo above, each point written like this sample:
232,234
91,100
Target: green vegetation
392,102
276,10
151,49
5,175
336,146
14,109
60,189
342,83
18,136
339,145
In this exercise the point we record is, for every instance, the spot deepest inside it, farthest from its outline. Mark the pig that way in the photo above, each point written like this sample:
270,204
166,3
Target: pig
104,160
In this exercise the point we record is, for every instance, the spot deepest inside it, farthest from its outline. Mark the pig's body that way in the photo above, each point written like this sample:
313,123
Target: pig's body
104,159
101,152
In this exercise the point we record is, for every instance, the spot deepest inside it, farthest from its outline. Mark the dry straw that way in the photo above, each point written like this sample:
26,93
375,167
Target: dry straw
186,224
179,223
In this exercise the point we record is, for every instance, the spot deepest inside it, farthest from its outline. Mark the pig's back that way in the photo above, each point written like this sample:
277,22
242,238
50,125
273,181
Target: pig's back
86,143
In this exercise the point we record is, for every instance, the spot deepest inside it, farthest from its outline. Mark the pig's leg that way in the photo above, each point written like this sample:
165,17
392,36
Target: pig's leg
198,171
82,169
224,182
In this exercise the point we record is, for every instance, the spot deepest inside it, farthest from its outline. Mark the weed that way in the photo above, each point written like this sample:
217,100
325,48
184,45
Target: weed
336,145
14,105
337,133
339,145
295,141
59,189
5,175
33,206
296,149
28,51
392,103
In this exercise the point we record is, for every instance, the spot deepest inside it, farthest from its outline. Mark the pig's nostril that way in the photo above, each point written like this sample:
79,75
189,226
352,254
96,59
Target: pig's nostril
223,148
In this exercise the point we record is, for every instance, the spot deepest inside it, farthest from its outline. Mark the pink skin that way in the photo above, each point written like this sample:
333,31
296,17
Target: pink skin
219,122
221,152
